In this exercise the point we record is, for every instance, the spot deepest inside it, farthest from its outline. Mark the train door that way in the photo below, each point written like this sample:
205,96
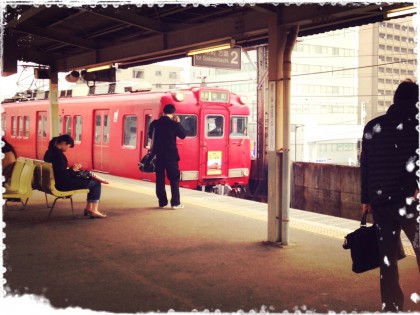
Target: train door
101,150
214,154
41,132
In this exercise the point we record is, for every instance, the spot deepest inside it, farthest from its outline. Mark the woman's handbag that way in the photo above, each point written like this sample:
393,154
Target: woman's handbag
85,174
364,247
147,163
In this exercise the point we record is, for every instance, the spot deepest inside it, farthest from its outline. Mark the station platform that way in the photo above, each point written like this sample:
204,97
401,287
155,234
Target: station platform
208,257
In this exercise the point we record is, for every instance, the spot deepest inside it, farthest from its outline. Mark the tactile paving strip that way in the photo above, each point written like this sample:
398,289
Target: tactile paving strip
299,219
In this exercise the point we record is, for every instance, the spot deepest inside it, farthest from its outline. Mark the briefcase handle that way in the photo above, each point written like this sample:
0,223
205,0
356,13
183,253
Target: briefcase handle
363,221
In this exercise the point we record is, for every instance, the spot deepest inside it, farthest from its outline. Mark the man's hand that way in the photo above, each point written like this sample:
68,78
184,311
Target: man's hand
366,207
416,195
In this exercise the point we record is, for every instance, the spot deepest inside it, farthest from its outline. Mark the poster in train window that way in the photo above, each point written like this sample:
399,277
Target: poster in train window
214,162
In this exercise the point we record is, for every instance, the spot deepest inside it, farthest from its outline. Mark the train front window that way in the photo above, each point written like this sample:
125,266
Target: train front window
189,122
130,131
215,126
238,126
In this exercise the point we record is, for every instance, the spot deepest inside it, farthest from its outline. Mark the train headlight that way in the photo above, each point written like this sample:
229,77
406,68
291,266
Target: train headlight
242,99
179,96
246,172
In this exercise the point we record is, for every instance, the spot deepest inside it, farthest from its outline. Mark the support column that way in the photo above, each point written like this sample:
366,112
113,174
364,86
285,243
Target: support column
281,41
53,96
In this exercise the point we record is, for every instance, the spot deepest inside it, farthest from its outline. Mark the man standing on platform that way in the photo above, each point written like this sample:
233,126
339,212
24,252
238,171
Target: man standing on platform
166,129
389,185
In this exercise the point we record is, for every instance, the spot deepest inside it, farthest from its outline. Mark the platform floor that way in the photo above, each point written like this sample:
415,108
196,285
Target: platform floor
208,256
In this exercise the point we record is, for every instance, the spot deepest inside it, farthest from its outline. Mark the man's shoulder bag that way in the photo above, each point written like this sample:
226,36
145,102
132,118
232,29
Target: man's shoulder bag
364,247
148,163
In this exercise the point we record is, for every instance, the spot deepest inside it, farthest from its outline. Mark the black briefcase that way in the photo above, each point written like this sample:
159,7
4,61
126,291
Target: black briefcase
364,247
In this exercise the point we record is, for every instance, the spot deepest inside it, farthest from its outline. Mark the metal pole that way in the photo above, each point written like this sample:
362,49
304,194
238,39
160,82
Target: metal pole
287,74
53,96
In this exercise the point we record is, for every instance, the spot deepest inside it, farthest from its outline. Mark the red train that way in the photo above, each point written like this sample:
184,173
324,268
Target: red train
110,132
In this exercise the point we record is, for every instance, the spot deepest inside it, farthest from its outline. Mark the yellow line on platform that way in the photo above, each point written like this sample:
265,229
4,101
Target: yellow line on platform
222,206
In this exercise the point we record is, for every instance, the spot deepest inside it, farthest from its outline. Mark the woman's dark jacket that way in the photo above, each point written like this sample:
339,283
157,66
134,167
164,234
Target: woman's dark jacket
164,142
388,159
65,178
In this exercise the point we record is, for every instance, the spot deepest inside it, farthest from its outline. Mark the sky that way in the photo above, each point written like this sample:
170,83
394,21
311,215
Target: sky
24,79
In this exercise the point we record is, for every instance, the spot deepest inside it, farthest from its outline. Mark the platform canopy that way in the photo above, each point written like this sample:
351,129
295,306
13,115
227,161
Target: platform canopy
77,37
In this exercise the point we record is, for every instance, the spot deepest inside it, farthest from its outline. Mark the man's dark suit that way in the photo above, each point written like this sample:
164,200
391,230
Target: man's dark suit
164,146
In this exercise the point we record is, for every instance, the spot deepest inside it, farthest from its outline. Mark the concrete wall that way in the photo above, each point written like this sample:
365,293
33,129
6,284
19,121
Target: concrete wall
326,188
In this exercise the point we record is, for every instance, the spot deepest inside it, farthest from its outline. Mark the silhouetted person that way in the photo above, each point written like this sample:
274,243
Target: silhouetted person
389,186
166,129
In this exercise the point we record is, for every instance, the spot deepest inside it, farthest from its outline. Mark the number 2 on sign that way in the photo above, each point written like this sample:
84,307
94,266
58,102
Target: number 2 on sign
234,55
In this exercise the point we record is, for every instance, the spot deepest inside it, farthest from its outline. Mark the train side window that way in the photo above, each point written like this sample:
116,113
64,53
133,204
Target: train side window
60,125
189,122
68,125
20,126
98,120
215,126
26,131
3,123
14,126
238,126
106,129
130,131
78,122
147,121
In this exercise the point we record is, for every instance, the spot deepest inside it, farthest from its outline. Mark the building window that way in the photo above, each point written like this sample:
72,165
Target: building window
130,131
172,86
172,75
158,73
138,74
78,129
158,85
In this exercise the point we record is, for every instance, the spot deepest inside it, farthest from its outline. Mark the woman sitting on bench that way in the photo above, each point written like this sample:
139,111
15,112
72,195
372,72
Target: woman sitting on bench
66,178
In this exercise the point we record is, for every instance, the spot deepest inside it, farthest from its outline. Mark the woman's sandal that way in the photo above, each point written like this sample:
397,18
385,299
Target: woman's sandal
94,215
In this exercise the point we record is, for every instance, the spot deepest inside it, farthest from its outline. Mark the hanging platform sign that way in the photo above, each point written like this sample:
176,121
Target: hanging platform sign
224,59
